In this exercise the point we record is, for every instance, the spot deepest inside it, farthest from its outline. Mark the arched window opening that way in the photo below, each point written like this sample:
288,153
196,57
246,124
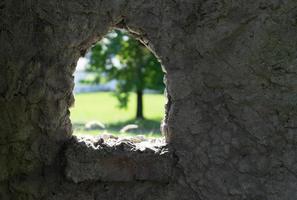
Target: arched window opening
119,90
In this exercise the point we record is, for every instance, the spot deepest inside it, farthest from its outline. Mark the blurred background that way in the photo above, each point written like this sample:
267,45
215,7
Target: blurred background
119,89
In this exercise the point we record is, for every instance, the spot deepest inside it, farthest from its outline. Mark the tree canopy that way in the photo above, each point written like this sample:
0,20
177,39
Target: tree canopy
120,57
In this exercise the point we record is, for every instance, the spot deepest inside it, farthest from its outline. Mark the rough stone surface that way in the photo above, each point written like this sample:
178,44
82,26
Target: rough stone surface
231,117
96,160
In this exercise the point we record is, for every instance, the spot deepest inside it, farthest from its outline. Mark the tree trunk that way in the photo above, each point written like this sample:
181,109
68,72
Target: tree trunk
139,108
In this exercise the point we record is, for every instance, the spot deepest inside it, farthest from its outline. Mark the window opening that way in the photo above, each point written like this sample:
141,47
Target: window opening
119,91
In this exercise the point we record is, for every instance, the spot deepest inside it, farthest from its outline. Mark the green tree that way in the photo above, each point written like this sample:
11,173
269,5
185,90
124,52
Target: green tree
120,57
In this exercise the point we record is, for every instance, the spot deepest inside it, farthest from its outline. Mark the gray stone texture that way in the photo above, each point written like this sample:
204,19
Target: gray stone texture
93,160
231,117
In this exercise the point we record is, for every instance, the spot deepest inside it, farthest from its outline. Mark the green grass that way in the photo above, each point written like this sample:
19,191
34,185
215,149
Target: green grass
102,107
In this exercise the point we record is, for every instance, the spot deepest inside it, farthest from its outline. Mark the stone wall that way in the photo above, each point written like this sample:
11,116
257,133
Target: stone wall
231,117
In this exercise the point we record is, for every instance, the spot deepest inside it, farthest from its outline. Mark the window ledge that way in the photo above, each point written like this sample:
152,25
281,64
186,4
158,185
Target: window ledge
92,159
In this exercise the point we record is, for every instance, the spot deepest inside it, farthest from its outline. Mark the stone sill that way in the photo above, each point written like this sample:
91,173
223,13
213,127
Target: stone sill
94,160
